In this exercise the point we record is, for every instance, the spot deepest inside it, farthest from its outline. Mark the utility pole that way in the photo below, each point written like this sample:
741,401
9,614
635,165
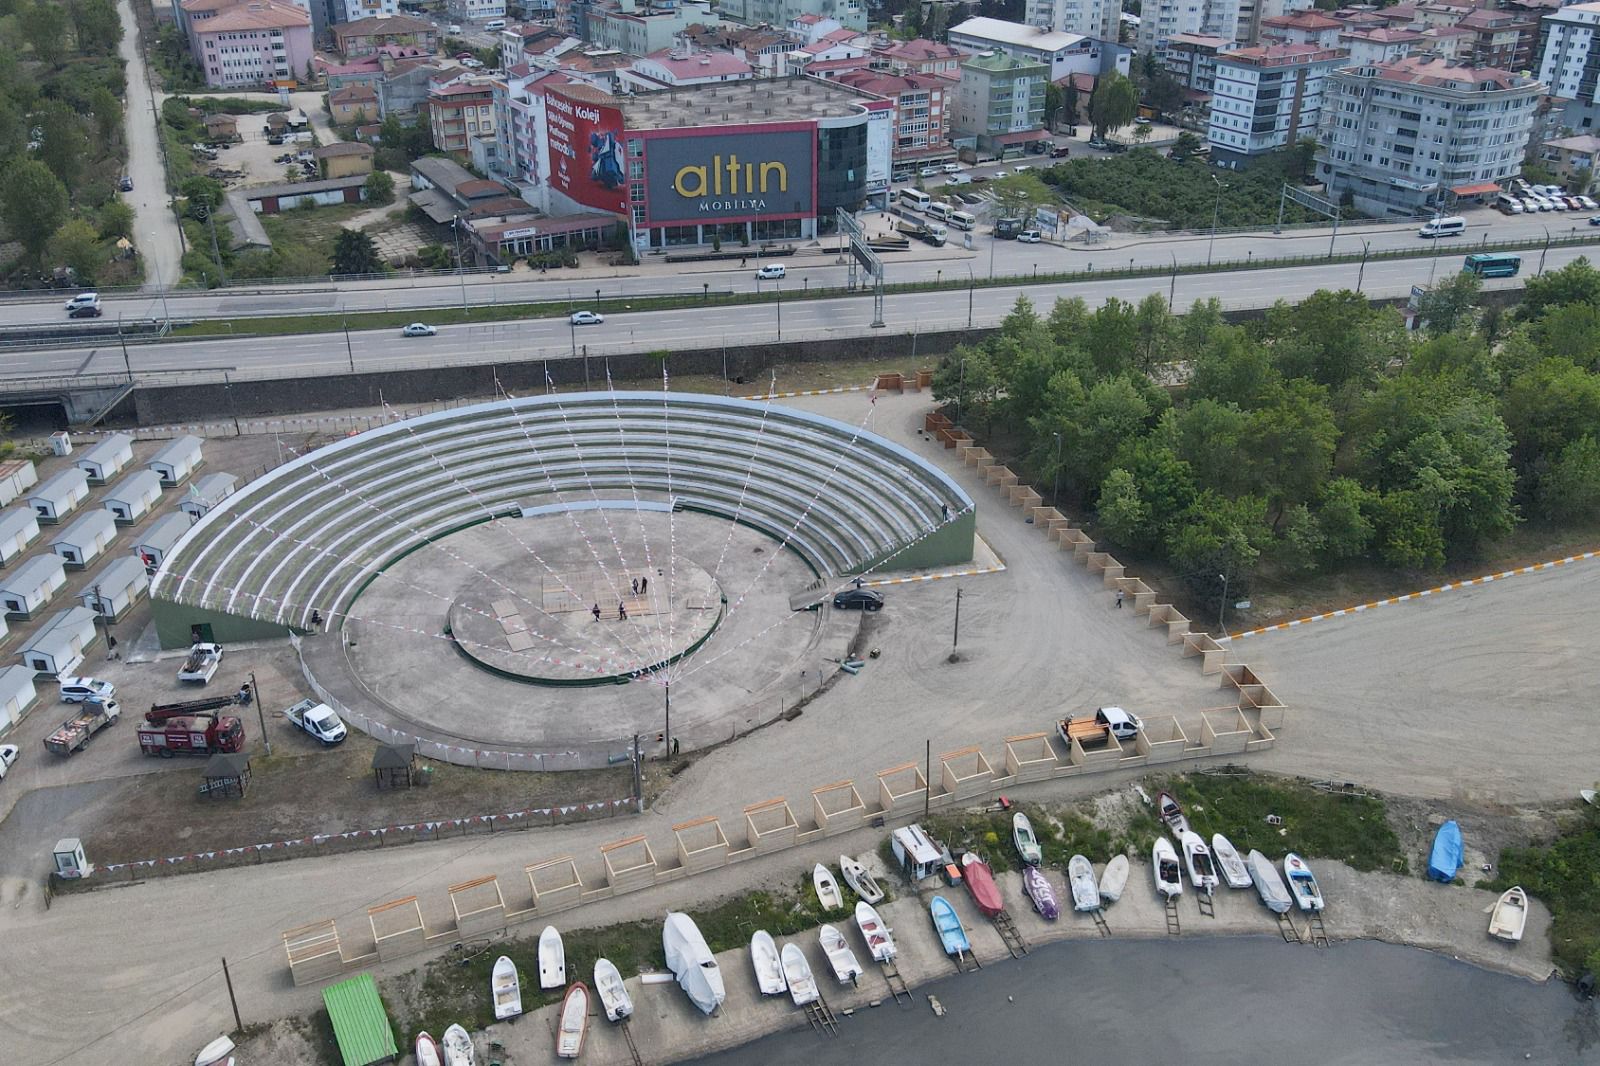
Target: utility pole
1172,290
927,773
638,773
955,638
1366,247
1216,210
461,266
666,730
126,362
971,284
1055,491
1223,607
232,999
261,715
779,287
349,351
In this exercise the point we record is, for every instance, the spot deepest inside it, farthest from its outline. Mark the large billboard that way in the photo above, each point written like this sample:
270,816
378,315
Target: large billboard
880,145
587,163
693,176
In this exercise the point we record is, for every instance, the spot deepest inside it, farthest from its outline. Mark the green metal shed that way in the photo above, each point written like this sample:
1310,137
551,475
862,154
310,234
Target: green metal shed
360,1024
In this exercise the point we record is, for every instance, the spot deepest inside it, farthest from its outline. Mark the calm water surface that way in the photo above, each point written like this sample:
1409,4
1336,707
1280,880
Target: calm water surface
1198,1001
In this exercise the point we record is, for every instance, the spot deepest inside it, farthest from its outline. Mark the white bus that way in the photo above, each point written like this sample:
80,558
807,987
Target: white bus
939,210
915,198
962,220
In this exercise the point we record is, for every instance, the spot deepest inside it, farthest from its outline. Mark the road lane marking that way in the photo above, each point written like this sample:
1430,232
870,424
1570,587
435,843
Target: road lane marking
1452,586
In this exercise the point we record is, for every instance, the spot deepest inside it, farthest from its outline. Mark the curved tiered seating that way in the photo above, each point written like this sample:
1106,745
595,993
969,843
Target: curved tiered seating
310,534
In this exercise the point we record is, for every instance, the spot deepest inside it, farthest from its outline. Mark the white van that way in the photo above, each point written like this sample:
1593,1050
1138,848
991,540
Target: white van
939,210
1444,226
1509,204
937,234
962,220
495,24
915,198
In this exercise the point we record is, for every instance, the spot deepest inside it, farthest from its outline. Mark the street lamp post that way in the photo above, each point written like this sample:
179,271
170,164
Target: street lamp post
1055,489
1545,252
1172,289
1216,211
1366,246
349,351
1222,608
461,266
972,284
778,285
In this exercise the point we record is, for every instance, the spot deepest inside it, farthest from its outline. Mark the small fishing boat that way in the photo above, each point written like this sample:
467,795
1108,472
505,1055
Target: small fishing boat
828,893
769,967
981,884
1444,860
1302,885
857,877
1170,811
1510,915
1269,883
1085,893
552,959
613,993
1165,868
691,962
797,972
506,989
1202,872
427,1049
876,932
1037,886
840,957
1113,879
1231,866
574,1021
220,1053
1027,843
948,923
1588,795
457,1047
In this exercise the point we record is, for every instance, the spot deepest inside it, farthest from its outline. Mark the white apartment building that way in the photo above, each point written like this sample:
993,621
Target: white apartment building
1091,18
471,10
356,10
1402,137
1251,12
1161,20
1569,62
1265,98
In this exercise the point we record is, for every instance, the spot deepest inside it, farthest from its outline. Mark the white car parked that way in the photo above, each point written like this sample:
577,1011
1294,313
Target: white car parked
8,755
79,689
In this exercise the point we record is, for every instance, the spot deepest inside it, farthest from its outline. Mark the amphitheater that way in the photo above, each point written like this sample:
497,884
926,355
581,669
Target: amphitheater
445,575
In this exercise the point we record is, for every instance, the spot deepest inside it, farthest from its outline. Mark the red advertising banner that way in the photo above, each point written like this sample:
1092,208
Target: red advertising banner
587,160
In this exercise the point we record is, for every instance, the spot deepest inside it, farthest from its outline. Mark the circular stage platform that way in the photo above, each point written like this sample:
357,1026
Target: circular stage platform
567,623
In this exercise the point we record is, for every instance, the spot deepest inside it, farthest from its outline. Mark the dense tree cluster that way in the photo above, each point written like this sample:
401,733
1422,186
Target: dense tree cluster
1319,434
1146,184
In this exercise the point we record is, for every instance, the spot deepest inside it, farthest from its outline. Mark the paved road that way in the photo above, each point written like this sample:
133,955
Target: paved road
691,327
816,266
157,234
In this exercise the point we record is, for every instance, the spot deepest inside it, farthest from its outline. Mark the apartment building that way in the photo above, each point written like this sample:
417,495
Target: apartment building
1301,27
253,44
365,36
1403,137
999,96
921,117
1192,59
851,14
642,28
920,56
1090,18
340,11
1507,40
1267,97
470,10
460,111
1379,44
1569,62
1162,20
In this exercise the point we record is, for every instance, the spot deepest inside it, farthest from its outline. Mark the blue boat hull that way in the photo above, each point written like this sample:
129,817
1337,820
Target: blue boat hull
948,923
1444,862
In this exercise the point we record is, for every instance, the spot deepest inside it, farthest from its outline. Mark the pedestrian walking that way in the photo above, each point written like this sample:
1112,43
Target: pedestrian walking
597,612
944,509
634,584
622,611
644,585
1119,599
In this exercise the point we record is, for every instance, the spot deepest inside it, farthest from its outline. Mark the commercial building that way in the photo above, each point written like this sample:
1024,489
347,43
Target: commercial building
105,459
253,44
181,456
1403,137
129,499
1267,97
1000,101
18,528
85,539
59,496
1059,53
1569,62
26,590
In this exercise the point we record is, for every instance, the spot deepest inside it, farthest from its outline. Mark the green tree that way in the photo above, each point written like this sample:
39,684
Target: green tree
380,187
1123,514
1186,145
107,112
1300,542
1407,530
1017,195
1450,303
1548,408
1577,282
13,130
44,25
116,219
96,26
1342,517
354,253
1570,331
77,245
1570,490
202,193
1291,443
33,203
66,146
1054,100
1113,104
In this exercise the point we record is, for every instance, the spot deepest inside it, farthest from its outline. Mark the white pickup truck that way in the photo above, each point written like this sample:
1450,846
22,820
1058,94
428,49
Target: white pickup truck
319,720
202,663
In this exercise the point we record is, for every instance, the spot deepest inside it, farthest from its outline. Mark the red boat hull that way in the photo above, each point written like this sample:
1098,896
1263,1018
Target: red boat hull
981,885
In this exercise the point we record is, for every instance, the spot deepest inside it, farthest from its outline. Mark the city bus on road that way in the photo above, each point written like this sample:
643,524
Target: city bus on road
1492,264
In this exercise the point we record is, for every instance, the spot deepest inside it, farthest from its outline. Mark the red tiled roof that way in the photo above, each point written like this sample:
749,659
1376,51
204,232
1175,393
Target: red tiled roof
255,15
1438,71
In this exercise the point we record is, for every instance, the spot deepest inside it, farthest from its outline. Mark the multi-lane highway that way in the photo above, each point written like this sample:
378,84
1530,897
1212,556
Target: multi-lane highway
813,268
791,320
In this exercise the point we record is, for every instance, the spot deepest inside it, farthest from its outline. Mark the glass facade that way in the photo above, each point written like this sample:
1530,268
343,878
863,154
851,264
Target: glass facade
841,168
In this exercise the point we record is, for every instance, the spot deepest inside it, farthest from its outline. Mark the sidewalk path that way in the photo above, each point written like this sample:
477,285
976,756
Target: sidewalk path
156,230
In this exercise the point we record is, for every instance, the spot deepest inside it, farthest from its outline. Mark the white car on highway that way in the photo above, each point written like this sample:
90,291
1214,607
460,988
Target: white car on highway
418,329
587,318
771,271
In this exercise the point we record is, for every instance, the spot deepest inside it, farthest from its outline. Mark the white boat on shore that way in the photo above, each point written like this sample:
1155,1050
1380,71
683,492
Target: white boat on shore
1165,869
427,1049
1026,841
1269,883
1197,857
574,1022
1510,915
1302,883
1113,879
1170,811
858,878
1229,863
828,893
1080,877
613,993
769,967
506,989
457,1047
797,972
552,959
840,957
692,963
220,1052
875,931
